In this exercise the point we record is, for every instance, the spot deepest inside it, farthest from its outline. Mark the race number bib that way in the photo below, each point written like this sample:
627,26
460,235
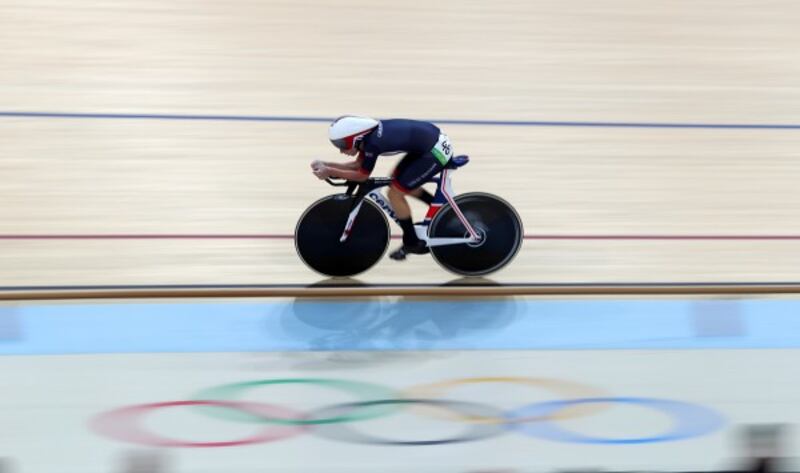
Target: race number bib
443,149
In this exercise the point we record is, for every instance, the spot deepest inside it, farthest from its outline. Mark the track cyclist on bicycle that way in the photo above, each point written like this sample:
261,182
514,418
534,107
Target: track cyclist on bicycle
427,150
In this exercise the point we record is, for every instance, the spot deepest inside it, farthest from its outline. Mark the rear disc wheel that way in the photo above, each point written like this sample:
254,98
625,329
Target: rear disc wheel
494,219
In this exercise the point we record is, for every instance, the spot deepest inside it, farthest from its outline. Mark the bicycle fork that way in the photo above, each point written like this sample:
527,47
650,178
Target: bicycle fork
350,220
385,206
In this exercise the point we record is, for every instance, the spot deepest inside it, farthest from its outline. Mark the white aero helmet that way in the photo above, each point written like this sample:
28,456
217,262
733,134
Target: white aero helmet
347,130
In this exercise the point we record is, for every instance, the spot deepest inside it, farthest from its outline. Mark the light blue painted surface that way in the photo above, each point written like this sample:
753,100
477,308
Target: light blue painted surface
524,324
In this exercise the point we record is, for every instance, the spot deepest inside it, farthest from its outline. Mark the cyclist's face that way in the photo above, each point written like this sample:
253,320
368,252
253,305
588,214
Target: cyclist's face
350,152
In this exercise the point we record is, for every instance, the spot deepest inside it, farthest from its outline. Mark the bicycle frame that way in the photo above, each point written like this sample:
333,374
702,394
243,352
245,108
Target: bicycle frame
444,194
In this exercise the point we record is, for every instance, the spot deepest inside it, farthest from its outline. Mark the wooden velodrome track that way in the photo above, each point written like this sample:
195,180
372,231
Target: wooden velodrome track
624,156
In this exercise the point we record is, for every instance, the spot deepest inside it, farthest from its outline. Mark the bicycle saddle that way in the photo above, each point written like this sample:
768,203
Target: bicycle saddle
457,161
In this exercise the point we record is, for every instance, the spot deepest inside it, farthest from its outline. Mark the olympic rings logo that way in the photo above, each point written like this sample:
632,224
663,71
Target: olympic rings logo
371,401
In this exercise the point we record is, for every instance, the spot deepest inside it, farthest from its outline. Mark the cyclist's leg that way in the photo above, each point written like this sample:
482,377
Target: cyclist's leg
411,173
396,194
420,192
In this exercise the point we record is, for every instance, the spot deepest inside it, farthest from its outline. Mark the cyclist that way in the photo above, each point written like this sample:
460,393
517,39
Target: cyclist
427,152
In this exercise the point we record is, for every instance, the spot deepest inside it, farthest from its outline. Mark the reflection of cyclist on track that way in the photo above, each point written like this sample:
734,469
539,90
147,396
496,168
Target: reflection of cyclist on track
427,152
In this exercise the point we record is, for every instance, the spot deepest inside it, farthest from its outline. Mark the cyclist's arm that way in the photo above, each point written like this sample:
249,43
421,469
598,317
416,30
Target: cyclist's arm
349,174
358,170
351,171
366,160
354,165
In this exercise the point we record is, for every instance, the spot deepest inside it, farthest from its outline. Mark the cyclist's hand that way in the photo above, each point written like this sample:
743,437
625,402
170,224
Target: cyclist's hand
322,172
316,164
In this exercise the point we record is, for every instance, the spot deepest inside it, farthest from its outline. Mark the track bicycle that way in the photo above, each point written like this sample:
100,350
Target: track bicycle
472,234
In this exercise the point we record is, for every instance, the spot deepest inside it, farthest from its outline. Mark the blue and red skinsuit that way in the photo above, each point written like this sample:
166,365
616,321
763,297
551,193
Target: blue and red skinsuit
415,138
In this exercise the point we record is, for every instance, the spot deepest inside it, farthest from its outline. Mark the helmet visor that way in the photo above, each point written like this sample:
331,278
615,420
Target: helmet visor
342,143
347,142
